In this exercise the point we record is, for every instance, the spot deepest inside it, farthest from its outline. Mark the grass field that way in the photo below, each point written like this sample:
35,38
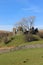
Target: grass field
23,57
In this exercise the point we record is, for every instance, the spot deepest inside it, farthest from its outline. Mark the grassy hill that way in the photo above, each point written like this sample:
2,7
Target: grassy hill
23,56
20,40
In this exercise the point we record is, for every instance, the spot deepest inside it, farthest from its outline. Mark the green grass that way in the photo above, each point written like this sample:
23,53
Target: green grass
19,40
31,56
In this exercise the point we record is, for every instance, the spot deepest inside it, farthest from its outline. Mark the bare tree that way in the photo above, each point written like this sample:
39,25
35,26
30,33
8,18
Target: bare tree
31,21
23,23
26,23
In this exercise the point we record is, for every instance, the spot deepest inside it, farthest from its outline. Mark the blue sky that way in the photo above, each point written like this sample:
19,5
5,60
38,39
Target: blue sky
11,11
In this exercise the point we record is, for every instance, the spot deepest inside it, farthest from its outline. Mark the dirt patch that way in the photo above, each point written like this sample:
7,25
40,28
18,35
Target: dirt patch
8,49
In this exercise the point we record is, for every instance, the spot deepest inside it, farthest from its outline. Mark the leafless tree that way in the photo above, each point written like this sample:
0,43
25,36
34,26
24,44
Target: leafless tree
26,23
31,21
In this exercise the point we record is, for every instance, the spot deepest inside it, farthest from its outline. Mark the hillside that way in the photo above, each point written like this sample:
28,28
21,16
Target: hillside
19,40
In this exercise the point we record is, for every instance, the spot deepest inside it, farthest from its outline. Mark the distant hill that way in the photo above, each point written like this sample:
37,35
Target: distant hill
3,31
41,31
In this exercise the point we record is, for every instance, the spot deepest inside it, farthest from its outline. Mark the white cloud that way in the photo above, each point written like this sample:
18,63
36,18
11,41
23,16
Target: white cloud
33,9
6,27
39,26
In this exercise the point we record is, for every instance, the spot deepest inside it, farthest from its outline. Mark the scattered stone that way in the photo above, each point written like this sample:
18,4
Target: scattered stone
27,59
42,56
24,61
